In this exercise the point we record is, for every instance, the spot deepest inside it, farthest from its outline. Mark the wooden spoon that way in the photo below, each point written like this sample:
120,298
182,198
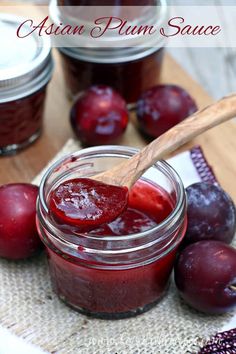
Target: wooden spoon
129,171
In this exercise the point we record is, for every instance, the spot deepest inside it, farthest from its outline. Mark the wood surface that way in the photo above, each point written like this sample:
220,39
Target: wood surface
219,144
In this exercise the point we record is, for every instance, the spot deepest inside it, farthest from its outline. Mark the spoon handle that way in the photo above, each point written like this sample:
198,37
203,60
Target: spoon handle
128,172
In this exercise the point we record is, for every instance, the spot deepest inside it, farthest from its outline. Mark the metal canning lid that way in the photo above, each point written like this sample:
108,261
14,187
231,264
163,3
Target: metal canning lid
25,64
133,49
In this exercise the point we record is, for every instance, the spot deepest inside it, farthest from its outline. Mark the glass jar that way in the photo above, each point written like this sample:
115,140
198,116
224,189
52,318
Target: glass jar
111,276
131,64
24,75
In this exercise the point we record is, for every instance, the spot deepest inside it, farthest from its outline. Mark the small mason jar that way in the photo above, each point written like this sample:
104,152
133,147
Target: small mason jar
111,276
130,64
25,70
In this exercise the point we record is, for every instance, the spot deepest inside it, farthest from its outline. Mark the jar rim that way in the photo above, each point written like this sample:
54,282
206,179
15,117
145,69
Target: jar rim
126,152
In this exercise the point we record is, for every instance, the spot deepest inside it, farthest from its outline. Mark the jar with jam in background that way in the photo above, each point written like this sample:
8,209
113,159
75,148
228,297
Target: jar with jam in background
130,68
25,70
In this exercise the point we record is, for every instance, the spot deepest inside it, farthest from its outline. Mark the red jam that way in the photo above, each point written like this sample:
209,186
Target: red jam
85,203
141,214
21,121
116,292
129,78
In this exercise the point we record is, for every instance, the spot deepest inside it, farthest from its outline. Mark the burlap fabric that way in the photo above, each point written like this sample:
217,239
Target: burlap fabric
30,309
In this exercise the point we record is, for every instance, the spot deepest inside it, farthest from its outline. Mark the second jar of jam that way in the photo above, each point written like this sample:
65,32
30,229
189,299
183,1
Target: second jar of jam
25,70
119,269
130,68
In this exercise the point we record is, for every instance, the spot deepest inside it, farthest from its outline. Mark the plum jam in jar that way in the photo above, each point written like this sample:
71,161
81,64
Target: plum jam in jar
25,70
129,64
119,269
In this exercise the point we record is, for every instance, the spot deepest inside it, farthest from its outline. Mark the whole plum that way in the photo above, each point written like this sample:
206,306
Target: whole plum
163,106
18,235
99,116
205,276
211,214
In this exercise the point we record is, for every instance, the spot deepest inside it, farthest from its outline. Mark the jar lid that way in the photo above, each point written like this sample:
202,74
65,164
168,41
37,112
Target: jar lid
25,64
109,49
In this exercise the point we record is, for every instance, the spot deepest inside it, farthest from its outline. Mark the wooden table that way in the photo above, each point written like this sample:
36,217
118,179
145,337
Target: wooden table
218,144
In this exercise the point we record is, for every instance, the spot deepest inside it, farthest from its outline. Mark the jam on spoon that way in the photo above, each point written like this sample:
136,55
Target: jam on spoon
86,203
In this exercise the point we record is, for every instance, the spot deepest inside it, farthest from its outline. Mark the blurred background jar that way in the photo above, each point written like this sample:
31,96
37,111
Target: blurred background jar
25,70
131,67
